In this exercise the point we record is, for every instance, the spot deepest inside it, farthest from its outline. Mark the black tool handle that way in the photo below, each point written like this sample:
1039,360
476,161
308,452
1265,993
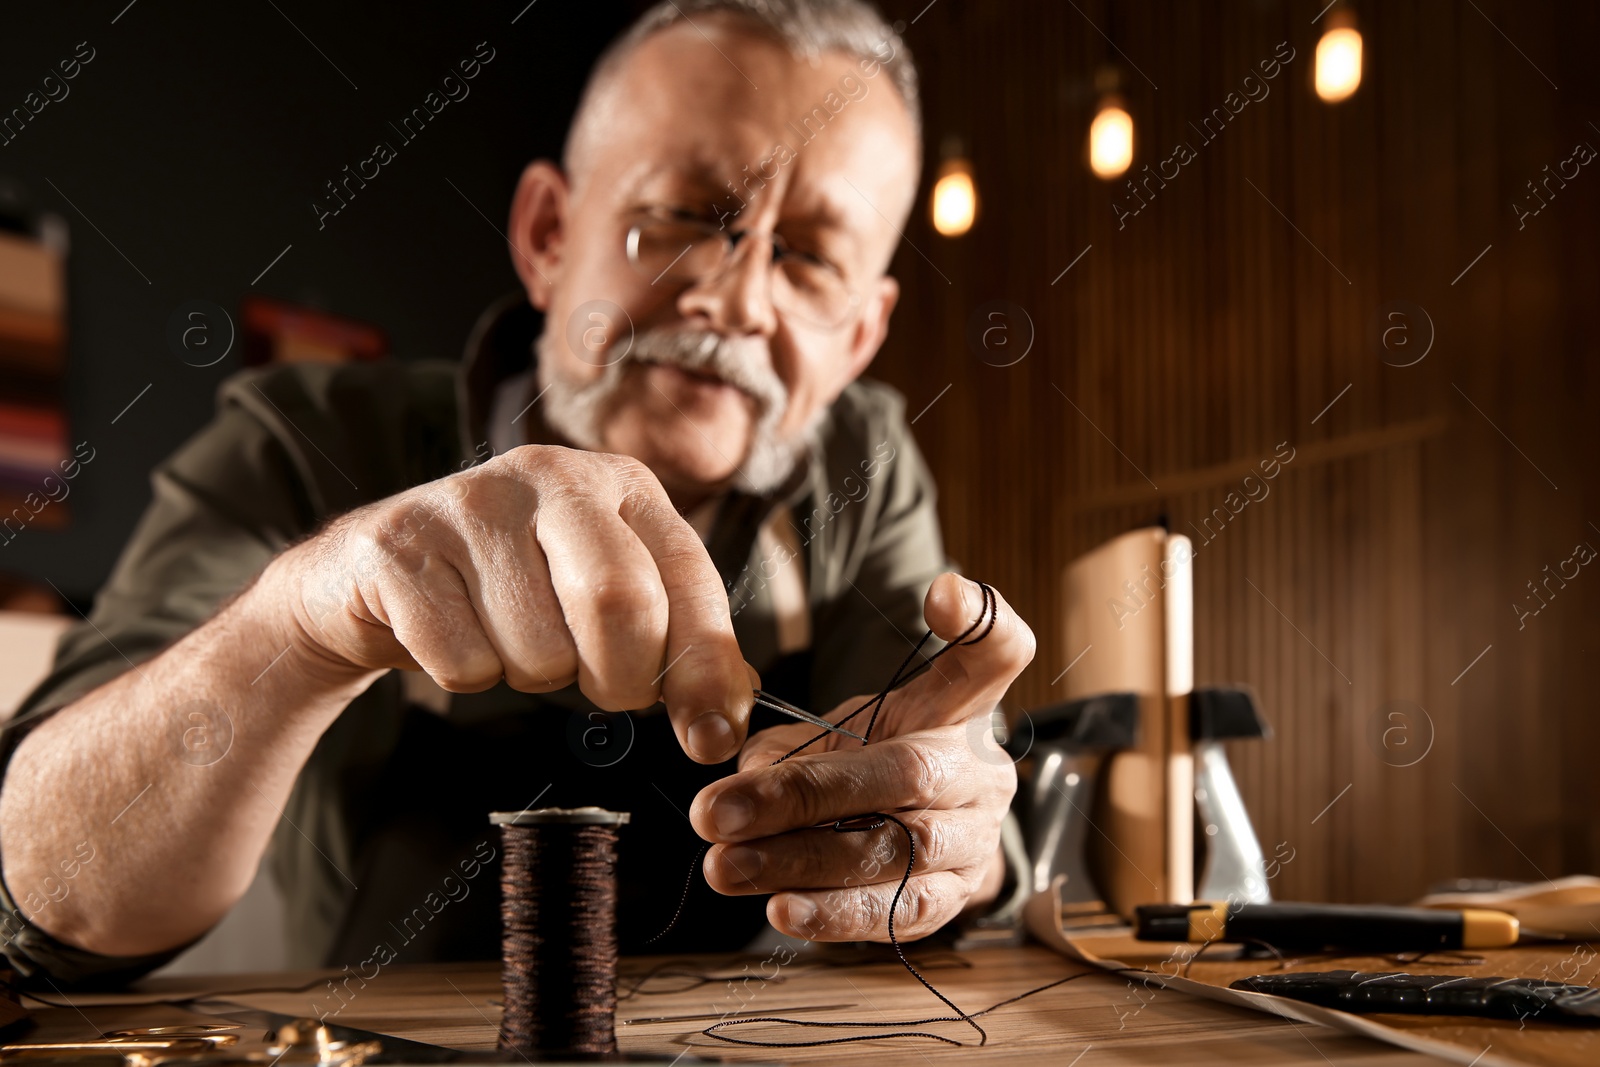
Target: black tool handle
1348,927
1306,927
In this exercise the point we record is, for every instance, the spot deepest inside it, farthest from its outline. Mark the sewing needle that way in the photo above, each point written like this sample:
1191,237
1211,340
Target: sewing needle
727,1015
767,700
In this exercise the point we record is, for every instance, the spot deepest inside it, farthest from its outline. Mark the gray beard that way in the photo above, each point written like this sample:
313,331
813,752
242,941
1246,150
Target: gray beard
579,412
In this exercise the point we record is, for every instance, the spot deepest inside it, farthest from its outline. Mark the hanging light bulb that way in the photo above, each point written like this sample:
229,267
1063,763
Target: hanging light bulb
1338,65
1111,131
1111,139
955,197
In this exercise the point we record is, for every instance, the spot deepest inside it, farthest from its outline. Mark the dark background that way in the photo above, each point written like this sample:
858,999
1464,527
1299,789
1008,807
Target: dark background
1381,574
197,140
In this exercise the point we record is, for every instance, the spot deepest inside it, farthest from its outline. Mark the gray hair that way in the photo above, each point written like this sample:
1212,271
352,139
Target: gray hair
808,27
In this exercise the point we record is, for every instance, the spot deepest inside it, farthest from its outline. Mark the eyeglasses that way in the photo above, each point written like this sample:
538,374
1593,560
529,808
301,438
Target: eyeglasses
683,250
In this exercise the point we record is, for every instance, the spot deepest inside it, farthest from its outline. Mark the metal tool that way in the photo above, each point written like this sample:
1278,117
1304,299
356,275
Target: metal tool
328,1042
1069,744
293,1043
1235,868
716,1016
767,700
288,1041
137,1046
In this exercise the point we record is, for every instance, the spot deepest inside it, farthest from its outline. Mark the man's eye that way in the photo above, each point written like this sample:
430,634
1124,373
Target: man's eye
679,213
813,259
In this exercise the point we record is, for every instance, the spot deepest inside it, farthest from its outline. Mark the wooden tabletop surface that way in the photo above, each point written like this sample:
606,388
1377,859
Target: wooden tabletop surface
1089,1022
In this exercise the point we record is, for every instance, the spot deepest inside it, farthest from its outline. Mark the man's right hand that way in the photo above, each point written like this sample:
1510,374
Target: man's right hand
541,566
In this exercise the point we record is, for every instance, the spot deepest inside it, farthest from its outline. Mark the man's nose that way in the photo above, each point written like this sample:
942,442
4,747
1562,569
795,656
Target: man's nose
737,299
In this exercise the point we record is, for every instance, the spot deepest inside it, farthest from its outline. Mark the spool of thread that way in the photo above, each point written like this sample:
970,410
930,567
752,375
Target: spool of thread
558,910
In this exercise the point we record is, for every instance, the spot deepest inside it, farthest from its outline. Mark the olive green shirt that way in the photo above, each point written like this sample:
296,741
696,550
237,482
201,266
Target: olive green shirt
384,851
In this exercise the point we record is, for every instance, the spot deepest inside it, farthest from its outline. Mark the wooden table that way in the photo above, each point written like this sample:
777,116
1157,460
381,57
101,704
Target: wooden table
1093,1021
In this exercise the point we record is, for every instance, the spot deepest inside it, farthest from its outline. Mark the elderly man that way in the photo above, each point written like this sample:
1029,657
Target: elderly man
370,604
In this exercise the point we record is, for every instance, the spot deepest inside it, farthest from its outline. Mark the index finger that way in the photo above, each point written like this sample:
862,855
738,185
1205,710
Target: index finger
901,774
704,682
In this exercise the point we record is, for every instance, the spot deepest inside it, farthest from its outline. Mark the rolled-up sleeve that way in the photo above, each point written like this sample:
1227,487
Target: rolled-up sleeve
222,506
43,962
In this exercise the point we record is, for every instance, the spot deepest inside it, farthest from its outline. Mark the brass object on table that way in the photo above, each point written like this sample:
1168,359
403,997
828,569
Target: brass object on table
138,1047
300,1043
308,1041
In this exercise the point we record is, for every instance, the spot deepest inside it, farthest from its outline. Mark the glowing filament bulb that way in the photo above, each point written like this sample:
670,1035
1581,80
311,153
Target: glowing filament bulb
1338,63
1110,141
955,199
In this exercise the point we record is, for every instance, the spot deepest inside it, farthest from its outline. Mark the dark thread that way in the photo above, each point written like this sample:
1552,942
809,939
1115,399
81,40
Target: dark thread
694,979
906,673
966,1018
1183,972
559,949
989,612
876,820
684,899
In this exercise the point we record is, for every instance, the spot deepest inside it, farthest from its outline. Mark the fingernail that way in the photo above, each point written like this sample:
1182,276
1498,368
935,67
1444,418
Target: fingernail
710,737
745,861
732,813
802,915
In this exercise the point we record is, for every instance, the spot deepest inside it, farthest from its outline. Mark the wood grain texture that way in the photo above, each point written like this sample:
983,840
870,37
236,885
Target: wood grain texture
458,1005
1222,320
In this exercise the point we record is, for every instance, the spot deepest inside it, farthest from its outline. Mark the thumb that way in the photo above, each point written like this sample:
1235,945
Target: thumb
987,646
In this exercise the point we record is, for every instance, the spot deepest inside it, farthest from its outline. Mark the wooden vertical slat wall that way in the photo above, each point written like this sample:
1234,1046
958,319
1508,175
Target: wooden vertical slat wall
1207,330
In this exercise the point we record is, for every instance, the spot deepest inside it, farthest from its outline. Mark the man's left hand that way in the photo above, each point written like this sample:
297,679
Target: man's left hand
932,762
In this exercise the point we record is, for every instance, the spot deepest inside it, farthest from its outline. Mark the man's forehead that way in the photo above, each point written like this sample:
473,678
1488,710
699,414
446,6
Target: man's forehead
728,57
715,102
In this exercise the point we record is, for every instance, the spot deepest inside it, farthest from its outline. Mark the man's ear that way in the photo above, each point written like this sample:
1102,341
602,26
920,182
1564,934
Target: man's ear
538,227
872,328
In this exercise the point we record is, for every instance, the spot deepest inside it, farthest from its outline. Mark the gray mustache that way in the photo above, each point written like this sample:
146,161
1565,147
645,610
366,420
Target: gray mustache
745,363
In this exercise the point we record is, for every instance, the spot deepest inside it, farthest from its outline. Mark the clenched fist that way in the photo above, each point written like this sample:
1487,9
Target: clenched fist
541,566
